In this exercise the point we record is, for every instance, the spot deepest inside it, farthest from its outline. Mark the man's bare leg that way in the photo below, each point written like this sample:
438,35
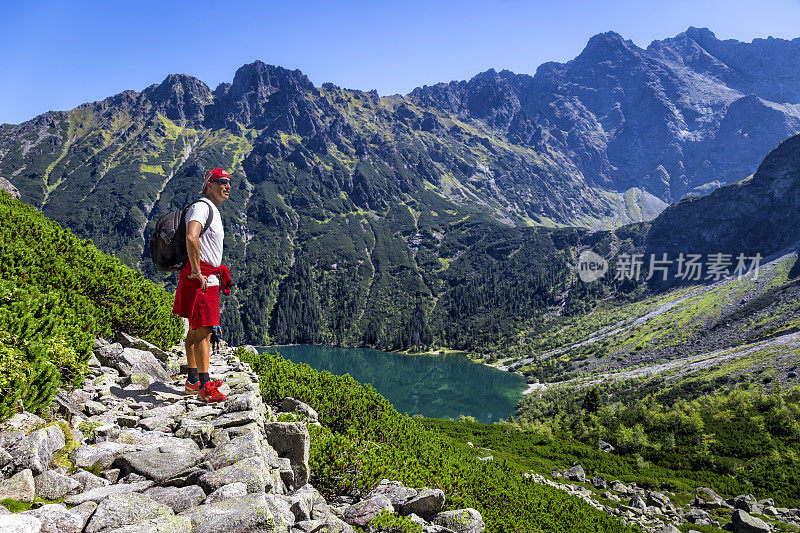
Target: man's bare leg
191,361
202,339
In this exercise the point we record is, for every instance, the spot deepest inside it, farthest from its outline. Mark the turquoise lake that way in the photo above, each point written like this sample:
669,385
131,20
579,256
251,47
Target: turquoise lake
433,386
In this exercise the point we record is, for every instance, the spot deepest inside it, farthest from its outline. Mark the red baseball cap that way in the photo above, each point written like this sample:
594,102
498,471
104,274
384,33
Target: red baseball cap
212,175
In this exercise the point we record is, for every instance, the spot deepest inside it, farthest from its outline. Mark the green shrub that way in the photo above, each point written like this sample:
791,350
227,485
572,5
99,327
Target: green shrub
389,522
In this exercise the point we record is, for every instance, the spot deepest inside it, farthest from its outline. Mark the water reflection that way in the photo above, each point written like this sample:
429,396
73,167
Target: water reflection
437,387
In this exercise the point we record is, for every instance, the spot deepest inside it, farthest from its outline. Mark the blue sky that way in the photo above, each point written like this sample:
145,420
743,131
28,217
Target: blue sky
55,55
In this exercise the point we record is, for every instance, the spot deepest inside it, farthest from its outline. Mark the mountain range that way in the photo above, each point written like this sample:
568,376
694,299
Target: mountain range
399,220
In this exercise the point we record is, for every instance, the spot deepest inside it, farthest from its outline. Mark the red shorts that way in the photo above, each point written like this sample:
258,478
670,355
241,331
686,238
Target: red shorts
201,308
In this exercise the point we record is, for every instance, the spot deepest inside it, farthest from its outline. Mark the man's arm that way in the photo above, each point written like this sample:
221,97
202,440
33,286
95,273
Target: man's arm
193,249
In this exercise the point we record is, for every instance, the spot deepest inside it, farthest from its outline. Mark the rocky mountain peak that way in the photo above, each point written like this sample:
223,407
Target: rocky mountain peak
608,45
258,89
180,97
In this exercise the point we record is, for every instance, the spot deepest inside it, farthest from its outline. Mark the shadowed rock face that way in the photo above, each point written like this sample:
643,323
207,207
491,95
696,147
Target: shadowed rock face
757,215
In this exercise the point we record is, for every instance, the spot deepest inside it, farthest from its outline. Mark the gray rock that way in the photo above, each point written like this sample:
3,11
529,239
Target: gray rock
243,402
425,504
156,423
234,451
129,341
575,473
158,464
130,361
101,493
240,418
52,485
178,499
461,521
252,513
20,487
106,432
227,492
706,498
251,471
166,524
35,451
397,493
744,523
291,440
363,512
7,186
85,511
669,528
19,523
699,517
120,510
307,504
58,519
25,422
638,503
112,475
197,430
292,405
89,481
599,482
93,408
100,456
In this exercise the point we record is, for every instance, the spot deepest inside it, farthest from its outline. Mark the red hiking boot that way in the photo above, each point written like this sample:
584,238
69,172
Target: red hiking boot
210,393
194,388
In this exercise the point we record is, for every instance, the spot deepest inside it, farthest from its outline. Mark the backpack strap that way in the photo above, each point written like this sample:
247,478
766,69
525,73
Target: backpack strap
210,218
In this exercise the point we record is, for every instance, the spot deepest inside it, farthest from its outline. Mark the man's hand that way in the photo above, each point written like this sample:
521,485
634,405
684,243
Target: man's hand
202,278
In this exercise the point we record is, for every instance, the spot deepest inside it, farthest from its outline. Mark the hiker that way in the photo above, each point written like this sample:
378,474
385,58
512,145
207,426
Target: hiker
216,337
200,280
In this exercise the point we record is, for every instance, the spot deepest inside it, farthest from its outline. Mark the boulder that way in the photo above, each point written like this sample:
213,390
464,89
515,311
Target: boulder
98,457
425,504
165,524
120,510
25,422
252,513
58,519
35,451
243,402
8,187
363,512
158,464
129,341
19,523
292,405
53,486
575,473
89,481
251,471
397,493
84,510
130,361
99,494
227,492
699,517
742,522
234,451
291,440
706,498
20,487
461,521
599,482
307,504
178,499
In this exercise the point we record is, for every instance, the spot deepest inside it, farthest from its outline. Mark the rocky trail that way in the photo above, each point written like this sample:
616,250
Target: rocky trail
128,452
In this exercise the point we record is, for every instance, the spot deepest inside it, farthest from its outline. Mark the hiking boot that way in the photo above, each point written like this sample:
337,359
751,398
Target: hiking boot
210,393
194,388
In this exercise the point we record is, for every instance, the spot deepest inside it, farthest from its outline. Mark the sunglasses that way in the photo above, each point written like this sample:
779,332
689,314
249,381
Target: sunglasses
223,181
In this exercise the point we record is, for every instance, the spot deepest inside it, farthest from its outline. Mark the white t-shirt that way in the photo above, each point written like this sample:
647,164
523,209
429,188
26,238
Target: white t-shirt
211,240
